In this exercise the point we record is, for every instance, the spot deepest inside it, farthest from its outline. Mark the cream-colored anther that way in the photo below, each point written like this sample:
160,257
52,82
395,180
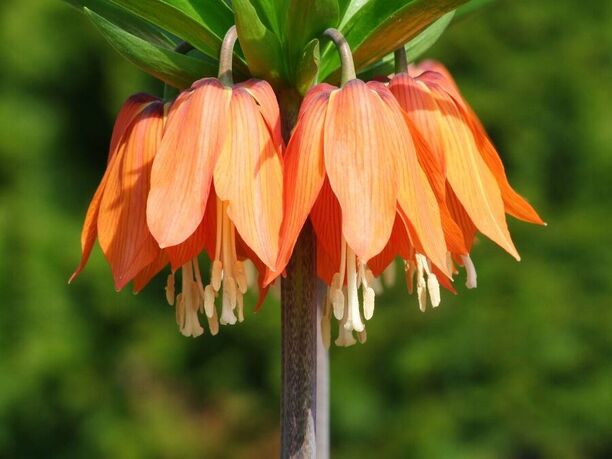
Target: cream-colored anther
362,336
421,285
354,315
470,269
240,306
240,276
213,323
216,275
170,293
337,297
229,302
366,277
209,301
345,337
189,304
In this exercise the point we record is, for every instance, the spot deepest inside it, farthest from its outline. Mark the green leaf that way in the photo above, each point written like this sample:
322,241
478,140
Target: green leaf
126,20
172,68
306,20
308,67
380,26
203,26
260,45
414,48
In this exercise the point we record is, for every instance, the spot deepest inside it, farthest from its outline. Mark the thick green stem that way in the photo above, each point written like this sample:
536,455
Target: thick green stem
346,57
226,56
401,62
304,405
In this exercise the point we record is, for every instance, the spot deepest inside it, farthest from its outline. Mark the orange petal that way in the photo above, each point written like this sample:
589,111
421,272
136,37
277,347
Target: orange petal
128,111
313,95
304,172
415,198
204,237
122,228
398,245
326,218
429,162
248,174
469,176
514,203
460,216
131,107
264,95
359,161
327,265
183,168
150,271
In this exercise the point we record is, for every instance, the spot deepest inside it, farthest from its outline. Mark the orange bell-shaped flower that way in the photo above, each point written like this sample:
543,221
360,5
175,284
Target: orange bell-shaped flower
116,215
216,183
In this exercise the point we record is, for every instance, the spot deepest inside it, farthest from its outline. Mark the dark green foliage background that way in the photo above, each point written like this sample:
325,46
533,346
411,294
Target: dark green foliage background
519,368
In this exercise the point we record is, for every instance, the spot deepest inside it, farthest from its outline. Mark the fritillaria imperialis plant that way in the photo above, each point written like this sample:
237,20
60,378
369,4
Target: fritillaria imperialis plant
312,150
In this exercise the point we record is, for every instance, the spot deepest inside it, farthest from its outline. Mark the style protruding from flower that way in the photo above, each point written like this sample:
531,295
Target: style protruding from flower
465,168
352,166
215,186
116,216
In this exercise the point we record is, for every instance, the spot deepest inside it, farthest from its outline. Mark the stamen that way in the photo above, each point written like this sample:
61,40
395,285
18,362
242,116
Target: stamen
209,302
229,302
470,269
368,293
362,336
189,304
337,297
170,293
354,317
326,320
240,307
345,337
213,323
240,275
216,275
421,285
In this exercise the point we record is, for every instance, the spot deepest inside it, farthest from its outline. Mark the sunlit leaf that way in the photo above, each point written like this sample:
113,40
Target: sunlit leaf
414,48
380,26
126,20
260,45
308,67
202,23
172,68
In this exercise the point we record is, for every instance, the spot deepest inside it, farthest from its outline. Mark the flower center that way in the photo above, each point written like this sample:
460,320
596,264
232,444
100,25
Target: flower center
344,299
426,281
227,275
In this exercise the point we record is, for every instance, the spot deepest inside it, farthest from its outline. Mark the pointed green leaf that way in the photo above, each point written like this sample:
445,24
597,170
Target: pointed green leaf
308,67
126,20
414,48
380,26
172,68
260,45
306,20
203,26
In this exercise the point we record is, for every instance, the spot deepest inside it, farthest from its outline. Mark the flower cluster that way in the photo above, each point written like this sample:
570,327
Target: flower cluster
382,170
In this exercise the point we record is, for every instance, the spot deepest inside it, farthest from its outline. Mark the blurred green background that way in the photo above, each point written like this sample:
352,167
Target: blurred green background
519,368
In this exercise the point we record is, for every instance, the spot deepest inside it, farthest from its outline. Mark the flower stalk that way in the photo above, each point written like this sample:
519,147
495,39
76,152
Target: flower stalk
226,56
401,61
346,57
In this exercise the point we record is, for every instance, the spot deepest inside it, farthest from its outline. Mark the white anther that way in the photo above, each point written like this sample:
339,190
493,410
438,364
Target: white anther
470,270
229,302
421,285
170,292
433,287
368,302
354,316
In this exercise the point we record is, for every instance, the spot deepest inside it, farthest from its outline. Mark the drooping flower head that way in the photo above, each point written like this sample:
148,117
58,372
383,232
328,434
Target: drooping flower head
116,215
351,165
216,184
469,174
